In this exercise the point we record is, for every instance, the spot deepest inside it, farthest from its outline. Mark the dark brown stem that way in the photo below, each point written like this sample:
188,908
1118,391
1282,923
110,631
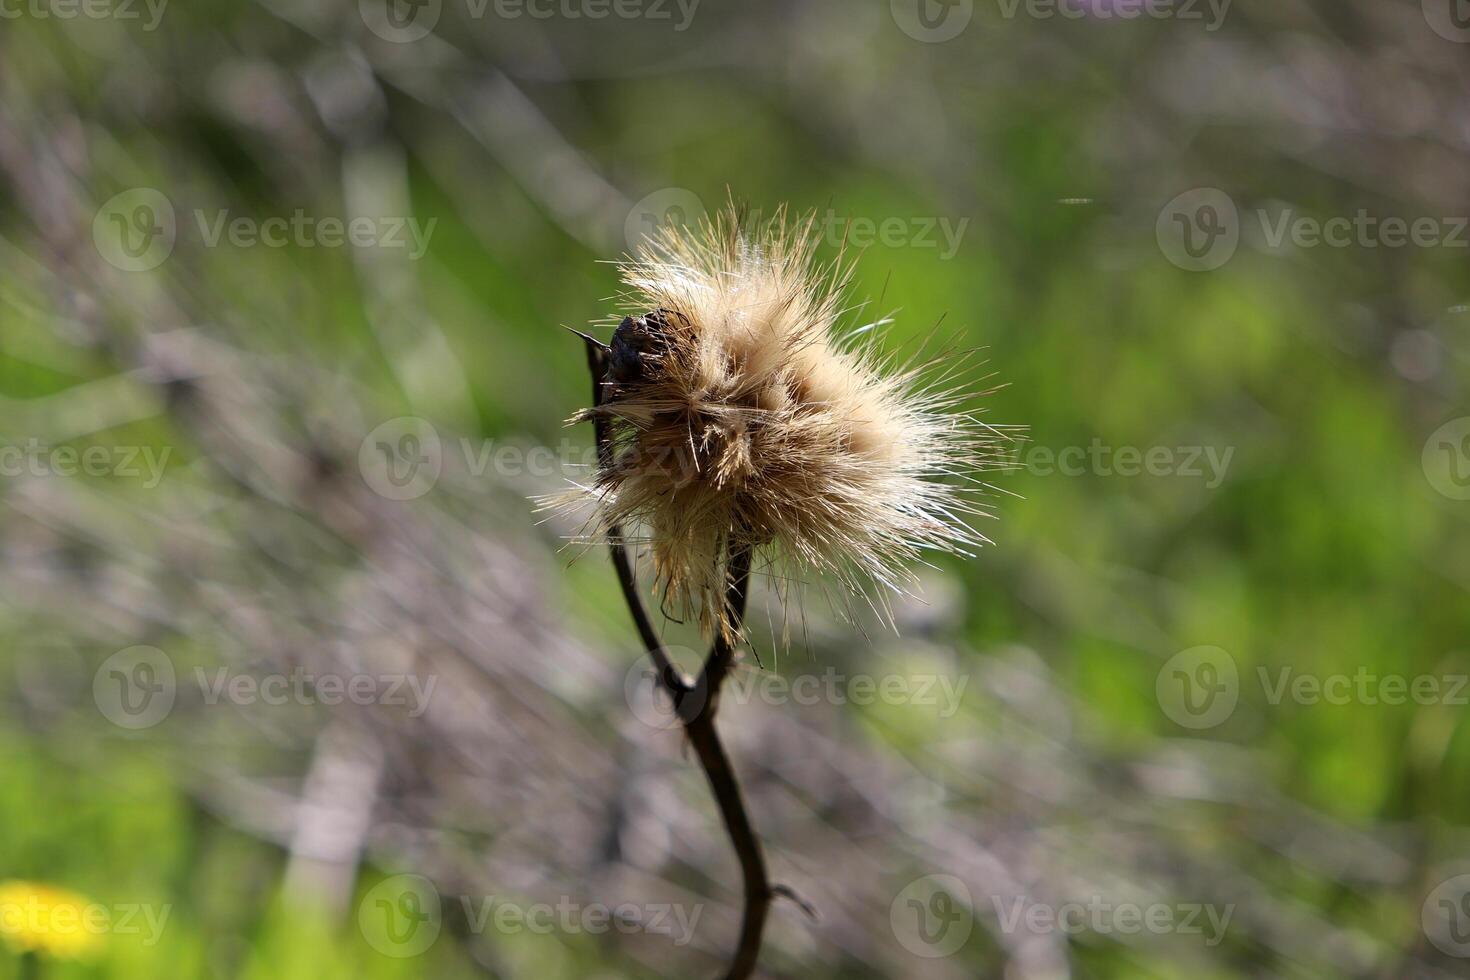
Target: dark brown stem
697,704
699,724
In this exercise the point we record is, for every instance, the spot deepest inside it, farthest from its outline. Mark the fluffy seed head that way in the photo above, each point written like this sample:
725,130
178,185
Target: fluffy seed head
742,419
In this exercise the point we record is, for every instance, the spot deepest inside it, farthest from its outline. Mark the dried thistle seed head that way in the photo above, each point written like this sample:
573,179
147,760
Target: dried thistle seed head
741,419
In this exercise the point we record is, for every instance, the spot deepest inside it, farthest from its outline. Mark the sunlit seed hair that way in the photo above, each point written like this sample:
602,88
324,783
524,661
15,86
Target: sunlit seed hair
743,419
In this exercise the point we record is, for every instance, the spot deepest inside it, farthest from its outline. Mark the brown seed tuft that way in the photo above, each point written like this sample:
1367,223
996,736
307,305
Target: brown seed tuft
742,420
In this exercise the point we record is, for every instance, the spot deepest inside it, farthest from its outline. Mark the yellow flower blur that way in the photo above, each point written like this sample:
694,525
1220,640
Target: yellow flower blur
42,919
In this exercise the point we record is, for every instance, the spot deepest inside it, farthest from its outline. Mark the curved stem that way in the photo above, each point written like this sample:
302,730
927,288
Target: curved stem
698,713
699,724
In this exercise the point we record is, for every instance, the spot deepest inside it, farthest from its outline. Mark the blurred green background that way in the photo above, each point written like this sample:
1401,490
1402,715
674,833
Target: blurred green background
1027,179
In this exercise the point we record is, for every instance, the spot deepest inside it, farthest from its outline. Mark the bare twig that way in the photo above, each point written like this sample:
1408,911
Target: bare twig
696,704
